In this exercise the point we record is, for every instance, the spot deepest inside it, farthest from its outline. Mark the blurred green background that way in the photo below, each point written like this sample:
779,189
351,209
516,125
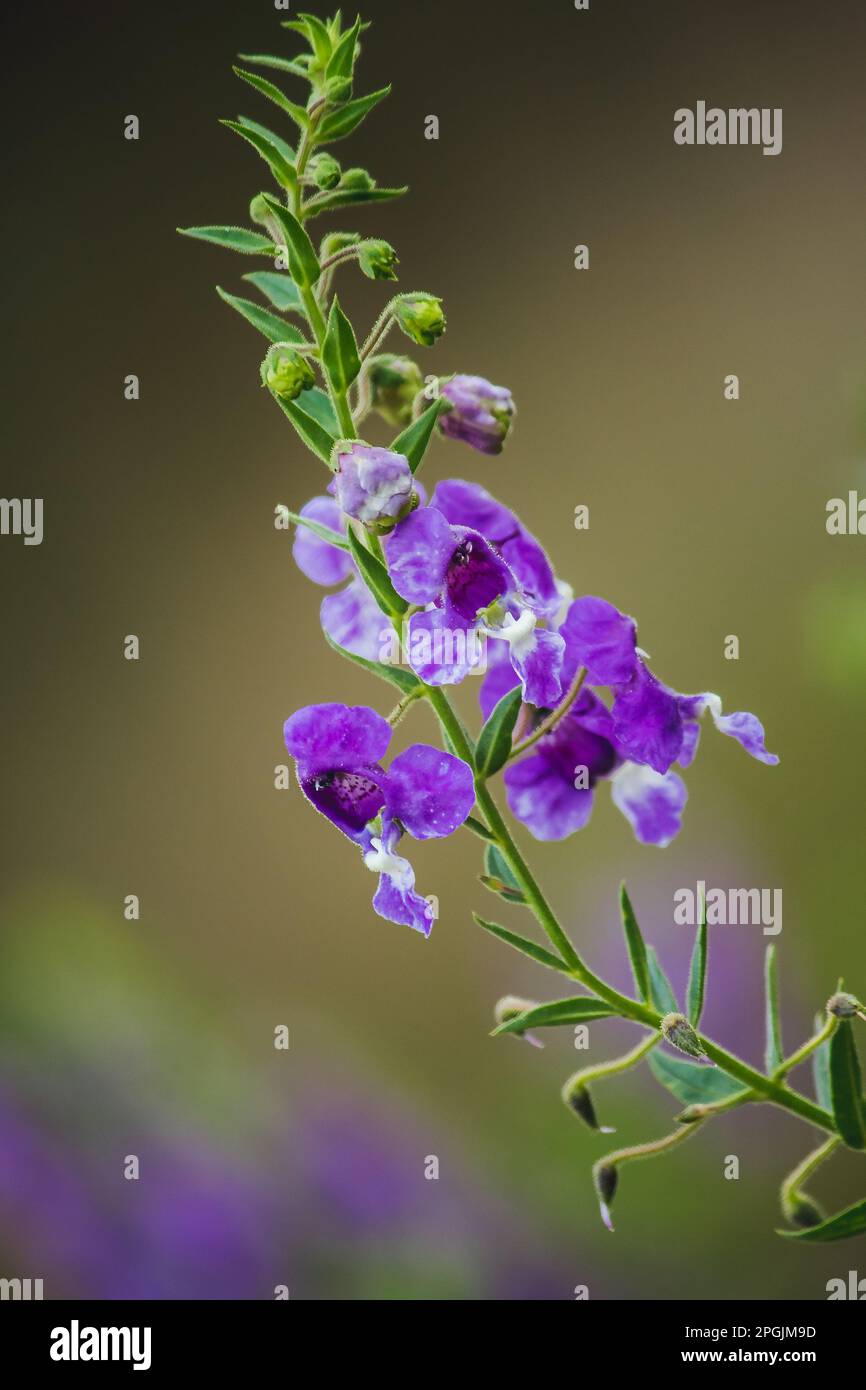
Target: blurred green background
707,518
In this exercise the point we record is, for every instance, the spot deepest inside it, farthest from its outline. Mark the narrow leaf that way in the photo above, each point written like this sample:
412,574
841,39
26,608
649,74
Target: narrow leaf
342,60
842,1226
275,329
773,1053
661,995
478,829
412,442
234,239
497,865
303,261
279,288
697,986
318,404
340,350
636,948
314,436
494,741
581,1009
348,197
846,1087
504,890
270,60
279,98
405,681
283,171
521,943
347,118
821,1069
690,1082
316,33
377,578
324,533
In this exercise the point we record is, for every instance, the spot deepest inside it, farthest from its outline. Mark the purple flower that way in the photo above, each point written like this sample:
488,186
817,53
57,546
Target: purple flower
467,588
351,617
551,790
338,750
479,413
373,485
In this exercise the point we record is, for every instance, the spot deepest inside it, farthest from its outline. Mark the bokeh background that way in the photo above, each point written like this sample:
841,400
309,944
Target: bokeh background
155,1038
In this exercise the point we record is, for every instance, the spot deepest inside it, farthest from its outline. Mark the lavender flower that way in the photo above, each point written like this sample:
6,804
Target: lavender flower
374,485
338,750
480,414
351,617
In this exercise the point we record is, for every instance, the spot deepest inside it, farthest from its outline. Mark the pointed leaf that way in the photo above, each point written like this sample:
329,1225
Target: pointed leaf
821,1069
315,32
274,329
318,404
303,261
497,866
342,60
698,972
405,681
842,1226
347,118
377,578
412,442
348,197
255,127
478,829
636,948
520,943
504,890
234,239
284,172
278,97
581,1009
690,1082
270,60
324,533
494,741
314,436
773,1053
278,287
340,350
661,995
846,1087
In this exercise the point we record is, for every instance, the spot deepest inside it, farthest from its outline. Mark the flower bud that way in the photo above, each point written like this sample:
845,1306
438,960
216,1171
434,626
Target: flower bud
377,259
845,1006
421,318
802,1211
606,1179
395,382
324,170
578,1099
479,413
287,372
337,241
373,485
510,1006
679,1033
357,179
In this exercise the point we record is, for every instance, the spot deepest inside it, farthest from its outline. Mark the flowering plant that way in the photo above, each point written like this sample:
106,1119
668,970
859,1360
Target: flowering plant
458,583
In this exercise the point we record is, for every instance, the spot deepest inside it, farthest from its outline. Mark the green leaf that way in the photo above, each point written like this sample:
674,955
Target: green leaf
315,32
690,1082
348,197
348,117
275,329
773,1053
697,985
283,171
821,1069
521,943
846,1087
314,436
478,829
318,404
405,681
270,60
342,60
842,1226
279,288
377,578
581,1009
340,350
303,261
497,867
255,127
234,239
636,948
412,442
504,890
324,533
661,995
494,741
279,98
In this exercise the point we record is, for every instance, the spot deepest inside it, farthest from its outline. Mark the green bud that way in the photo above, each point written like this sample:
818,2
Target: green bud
578,1099
679,1033
286,372
802,1211
260,213
324,170
845,1006
606,1179
337,241
377,259
357,178
421,318
395,383
510,1006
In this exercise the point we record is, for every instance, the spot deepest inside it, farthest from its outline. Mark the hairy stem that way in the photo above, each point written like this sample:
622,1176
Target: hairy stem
553,718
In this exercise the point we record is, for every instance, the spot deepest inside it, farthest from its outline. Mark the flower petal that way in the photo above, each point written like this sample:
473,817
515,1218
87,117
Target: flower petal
500,678
354,620
418,552
746,728
323,563
651,803
429,791
538,662
323,738
443,648
601,639
397,901
649,720
545,800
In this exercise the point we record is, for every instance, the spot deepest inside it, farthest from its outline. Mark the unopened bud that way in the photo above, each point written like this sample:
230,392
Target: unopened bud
286,372
509,1007
421,318
395,383
680,1034
357,179
324,170
802,1211
606,1179
378,259
337,241
845,1006
578,1099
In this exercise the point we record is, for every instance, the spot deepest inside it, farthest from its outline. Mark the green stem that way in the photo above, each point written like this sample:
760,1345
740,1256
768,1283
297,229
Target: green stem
791,1188
807,1049
552,719
611,1068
